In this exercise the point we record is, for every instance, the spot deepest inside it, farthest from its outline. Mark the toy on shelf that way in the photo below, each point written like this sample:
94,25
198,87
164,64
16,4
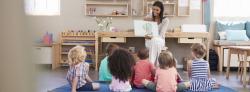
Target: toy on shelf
71,38
47,39
91,11
78,35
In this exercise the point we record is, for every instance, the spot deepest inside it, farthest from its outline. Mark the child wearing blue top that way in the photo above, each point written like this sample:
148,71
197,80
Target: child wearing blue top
104,74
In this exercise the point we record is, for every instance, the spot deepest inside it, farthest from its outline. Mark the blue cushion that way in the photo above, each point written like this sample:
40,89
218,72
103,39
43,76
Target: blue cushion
236,35
221,89
248,29
230,25
105,88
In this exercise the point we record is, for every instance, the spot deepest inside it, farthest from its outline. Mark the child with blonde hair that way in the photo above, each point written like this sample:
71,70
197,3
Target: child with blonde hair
77,74
198,70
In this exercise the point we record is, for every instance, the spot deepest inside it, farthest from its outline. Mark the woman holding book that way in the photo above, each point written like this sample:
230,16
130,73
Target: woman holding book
156,44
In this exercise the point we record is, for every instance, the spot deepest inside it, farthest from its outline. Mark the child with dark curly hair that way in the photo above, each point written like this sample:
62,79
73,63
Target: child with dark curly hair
120,65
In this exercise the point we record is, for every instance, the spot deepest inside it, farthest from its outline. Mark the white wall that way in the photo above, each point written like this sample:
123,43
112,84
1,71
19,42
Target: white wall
15,68
73,17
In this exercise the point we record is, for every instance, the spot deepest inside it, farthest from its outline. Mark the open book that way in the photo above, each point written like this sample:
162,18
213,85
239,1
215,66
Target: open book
143,28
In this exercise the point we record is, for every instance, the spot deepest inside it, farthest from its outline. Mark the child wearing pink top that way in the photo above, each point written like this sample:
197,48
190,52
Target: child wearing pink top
166,75
120,65
143,69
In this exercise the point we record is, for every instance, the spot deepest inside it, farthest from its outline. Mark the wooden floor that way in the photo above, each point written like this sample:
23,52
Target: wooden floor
48,79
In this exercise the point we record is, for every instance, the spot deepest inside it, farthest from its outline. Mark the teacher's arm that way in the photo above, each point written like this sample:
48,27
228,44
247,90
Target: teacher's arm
164,28
148,18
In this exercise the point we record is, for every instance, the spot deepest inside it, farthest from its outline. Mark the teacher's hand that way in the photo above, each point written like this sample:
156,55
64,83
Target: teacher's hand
148,37
148,18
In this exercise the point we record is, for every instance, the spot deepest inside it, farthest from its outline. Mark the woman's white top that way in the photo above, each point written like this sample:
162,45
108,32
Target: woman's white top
157,43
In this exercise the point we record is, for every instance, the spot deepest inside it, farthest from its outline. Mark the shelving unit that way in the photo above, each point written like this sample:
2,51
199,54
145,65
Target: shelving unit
169,7
70,39
107,15
137,8
107,8
183,9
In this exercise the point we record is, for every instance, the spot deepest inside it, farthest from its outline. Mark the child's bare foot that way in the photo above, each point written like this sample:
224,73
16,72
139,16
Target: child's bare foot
144,82
187,84
216,86
96,86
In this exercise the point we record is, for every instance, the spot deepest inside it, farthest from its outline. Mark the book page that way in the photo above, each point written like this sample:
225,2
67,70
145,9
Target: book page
143,28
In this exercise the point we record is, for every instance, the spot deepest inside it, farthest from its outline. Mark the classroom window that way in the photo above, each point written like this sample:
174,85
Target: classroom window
231,8
42,7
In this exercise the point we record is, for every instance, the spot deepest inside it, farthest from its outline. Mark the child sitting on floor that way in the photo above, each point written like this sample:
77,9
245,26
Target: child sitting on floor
198,70
120,65
143,69
166,75
104,74
77,74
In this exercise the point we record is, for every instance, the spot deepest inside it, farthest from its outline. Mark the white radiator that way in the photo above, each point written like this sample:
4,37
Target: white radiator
43,55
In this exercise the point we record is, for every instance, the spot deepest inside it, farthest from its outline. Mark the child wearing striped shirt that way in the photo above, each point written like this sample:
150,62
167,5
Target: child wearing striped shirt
198,70
77,74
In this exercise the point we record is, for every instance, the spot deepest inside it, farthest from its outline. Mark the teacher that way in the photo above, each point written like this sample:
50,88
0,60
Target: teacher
156,44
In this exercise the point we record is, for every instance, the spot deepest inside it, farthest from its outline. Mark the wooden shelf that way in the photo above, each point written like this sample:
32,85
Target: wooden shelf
114,4
183,11
78,44
107,15
170,6
66,53
69,39
184,15
83,39
43,45
137,8
133,9
106,8
163,3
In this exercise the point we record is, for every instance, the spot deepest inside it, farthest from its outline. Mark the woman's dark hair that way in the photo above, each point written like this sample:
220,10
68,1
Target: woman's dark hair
166,59
161,6
121,64
111,48
143,53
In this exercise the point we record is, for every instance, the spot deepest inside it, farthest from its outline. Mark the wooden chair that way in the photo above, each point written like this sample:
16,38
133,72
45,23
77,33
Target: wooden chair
240,68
